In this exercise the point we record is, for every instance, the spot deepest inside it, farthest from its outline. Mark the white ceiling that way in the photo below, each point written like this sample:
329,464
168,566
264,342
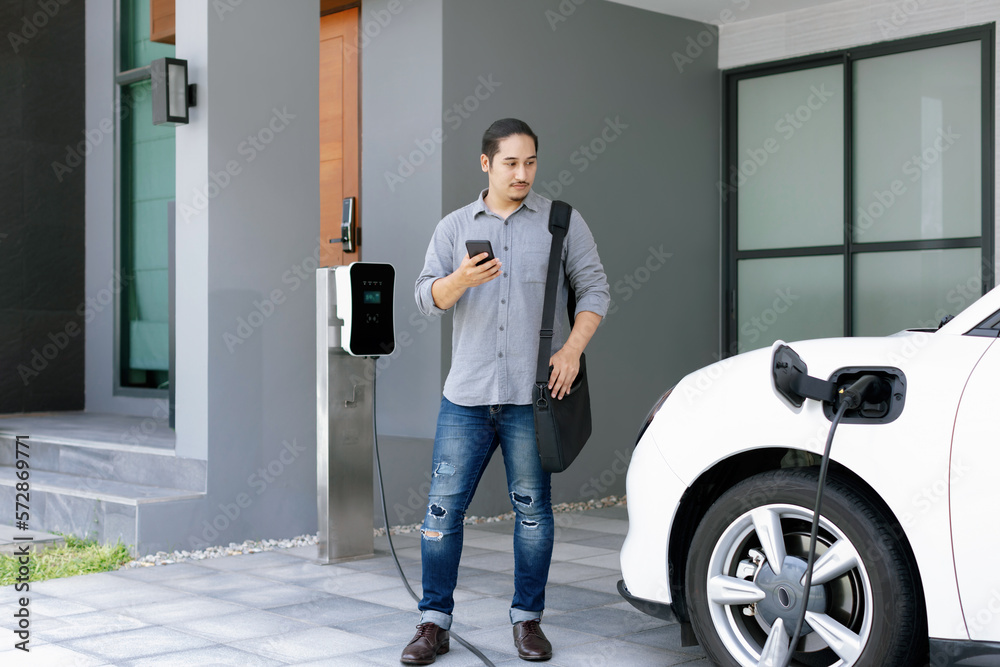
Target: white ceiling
712,11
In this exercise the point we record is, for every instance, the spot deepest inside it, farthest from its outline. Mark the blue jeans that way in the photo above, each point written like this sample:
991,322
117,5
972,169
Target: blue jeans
466,439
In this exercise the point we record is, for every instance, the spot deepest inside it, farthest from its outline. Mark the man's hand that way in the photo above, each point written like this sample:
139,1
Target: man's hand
447,291
566,362
565,365
469,275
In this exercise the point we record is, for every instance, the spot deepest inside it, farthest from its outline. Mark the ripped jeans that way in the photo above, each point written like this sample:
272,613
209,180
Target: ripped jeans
466,439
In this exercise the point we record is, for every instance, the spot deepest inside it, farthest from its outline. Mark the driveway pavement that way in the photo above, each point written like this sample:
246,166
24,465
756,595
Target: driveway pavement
280,608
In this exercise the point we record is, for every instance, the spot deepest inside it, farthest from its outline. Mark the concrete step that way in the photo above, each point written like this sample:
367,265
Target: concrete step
105,510
97,476
136,450
11,539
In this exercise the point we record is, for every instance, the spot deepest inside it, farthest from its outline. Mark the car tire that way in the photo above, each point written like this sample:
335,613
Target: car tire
865,605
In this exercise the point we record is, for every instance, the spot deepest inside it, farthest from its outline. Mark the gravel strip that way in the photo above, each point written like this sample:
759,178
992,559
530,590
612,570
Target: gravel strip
257,546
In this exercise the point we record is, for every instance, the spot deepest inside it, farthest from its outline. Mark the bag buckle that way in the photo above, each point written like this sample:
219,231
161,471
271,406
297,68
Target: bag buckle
540,402
545,333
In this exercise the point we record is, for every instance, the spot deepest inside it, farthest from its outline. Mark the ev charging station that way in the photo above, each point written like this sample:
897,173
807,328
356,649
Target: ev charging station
354,326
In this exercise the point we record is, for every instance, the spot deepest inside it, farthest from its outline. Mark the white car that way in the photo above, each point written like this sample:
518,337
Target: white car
722,485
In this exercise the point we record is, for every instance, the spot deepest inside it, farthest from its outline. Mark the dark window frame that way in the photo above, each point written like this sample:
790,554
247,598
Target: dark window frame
985,34
124,40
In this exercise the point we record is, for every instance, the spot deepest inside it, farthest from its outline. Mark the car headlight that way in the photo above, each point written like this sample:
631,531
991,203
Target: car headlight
652,413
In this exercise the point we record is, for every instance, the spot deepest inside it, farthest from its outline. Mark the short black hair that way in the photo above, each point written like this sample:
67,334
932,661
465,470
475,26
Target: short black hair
502,129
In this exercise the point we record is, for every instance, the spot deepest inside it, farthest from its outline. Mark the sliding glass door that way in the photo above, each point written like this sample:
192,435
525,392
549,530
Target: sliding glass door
859,190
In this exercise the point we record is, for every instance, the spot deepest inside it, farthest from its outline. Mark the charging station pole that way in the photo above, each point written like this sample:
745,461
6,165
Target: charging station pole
345,436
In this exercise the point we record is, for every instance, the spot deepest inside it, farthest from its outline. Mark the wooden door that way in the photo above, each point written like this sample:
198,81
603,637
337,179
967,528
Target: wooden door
339,130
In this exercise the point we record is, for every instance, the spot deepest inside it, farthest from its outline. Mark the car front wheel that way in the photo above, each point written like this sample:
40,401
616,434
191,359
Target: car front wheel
745,578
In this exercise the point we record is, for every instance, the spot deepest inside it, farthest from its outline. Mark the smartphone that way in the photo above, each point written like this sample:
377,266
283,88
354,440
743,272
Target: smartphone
478,248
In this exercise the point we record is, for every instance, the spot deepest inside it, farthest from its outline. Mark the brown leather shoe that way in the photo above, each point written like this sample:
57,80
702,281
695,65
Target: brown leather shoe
531,642
429,642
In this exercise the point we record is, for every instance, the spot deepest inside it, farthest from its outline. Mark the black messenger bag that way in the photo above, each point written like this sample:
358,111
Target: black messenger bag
562,427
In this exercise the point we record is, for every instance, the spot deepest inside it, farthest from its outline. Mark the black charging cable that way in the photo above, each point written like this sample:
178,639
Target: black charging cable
388,536
850,399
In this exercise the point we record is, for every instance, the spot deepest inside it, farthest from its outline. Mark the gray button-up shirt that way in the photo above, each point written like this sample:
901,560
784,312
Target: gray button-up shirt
495,335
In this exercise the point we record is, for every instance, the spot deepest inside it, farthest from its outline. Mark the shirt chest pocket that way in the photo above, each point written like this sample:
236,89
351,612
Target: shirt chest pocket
534,267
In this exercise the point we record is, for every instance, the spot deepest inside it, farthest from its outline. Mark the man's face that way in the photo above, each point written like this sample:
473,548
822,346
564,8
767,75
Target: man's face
513,168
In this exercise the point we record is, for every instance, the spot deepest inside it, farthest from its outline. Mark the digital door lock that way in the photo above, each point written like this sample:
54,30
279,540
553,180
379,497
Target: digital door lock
349,232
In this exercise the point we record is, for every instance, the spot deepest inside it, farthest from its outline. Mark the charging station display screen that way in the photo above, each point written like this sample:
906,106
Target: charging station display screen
372,296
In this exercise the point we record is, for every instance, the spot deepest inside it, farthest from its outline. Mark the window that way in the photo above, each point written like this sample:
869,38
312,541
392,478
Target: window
145,177
859,189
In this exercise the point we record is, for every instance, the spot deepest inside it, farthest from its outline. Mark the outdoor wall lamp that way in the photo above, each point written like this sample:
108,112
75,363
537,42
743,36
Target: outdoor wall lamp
172,95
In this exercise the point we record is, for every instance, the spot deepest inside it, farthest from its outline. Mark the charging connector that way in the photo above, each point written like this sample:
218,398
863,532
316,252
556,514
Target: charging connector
849,398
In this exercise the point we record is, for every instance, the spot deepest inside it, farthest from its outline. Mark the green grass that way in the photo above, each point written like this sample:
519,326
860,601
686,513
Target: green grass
77,556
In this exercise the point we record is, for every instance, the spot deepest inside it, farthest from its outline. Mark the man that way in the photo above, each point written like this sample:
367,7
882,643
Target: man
487,396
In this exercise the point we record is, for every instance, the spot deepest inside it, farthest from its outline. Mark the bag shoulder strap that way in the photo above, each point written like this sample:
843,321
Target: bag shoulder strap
558,225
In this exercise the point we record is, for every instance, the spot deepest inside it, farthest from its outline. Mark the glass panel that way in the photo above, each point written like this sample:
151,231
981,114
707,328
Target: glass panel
147,159
791,298
917,139
790,159
913,289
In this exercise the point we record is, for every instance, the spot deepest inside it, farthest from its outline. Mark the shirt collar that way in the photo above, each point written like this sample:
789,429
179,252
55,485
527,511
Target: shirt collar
532,202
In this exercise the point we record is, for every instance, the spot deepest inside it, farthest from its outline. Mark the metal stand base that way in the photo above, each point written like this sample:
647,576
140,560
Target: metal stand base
345,438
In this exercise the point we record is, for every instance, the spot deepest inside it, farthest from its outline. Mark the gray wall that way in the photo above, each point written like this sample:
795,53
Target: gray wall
246,396
605,68
652,186
41,199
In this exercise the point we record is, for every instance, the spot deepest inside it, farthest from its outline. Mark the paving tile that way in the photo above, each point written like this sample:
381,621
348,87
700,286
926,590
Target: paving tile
263,609
215,581
244,624
169,572
499,584
332,610
79,586
85,625
298,571
610,560
40,605
606,584
131,644
398,598
506,527
572,598
205,657
614,652
576,552
495,561
306,645
408,553
356,583
601,525
379,561
573,573
474,533
268,595
352,660
610,541
667,637
179,611
620,513
490,541
263,559
484,612
606,621
574,534
137,592
48,655
392,628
